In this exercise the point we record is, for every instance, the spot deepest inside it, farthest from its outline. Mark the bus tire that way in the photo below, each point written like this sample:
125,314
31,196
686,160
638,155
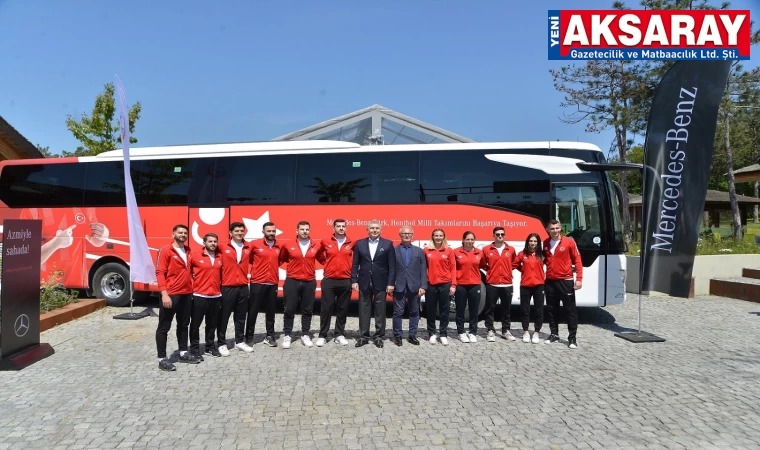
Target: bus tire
481,307
111,283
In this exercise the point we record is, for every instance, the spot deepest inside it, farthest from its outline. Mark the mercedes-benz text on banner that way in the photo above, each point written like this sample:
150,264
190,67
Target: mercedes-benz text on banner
649,35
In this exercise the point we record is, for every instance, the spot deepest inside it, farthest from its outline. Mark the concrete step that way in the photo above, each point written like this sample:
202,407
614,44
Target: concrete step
751,272
742,288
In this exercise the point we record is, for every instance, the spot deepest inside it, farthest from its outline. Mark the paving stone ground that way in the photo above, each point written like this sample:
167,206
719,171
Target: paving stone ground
700,389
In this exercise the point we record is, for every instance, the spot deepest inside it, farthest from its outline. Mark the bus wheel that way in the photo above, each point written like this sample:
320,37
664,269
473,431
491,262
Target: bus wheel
481,307
111,282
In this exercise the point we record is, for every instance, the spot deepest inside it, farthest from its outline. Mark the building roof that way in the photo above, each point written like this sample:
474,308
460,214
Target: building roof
747,174
17,141
712,197
376,125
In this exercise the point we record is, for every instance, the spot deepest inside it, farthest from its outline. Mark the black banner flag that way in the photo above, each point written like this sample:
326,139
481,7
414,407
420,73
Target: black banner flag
677,157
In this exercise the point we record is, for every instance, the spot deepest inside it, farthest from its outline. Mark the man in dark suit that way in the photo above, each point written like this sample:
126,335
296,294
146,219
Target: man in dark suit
411,282
373,274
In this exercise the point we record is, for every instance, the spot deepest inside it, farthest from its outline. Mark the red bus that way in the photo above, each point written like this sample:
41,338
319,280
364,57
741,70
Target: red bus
457,187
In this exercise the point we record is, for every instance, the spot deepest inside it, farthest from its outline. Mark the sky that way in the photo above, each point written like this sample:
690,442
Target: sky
241,71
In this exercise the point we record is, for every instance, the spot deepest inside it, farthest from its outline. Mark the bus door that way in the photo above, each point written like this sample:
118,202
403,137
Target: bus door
578,207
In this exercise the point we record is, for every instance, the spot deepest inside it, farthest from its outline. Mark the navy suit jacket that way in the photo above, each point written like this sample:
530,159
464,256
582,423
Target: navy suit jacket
414,276
381,270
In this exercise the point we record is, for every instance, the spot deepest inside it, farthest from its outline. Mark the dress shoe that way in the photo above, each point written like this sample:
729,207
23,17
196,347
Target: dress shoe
361,343
379,343
413,340
398,341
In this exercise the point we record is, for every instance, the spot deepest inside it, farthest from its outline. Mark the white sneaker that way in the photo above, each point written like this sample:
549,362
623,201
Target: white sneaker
320,342
224,350
306,340
473,338
341,340
536,338
508,336
491,336
573,345
432,339
464,338
526,338
444,340
244,347
286,342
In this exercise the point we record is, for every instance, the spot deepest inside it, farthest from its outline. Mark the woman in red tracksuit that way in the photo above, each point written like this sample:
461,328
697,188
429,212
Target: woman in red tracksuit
442,284
469,262
530,262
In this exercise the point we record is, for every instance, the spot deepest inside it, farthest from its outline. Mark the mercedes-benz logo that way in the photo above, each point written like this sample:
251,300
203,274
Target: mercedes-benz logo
21,327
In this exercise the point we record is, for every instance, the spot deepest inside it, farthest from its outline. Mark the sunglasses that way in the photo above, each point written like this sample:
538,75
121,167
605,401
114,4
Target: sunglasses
499,234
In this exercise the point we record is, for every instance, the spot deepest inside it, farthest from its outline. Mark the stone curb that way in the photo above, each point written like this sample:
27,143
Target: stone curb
70,312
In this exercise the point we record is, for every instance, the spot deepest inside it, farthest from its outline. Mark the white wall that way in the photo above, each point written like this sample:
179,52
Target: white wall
705,268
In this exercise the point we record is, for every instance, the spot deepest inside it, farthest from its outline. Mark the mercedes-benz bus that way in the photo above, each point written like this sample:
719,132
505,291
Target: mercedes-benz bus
456,187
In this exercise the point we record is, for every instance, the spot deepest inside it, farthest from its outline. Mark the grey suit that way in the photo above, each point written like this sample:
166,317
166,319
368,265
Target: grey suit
411,276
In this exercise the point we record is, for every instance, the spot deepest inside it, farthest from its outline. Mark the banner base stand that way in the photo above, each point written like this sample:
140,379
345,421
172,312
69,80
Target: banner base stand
26,357
638,337
135,316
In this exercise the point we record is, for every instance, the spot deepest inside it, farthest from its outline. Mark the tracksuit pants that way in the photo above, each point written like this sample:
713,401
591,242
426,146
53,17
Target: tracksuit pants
561,291
467,295
263,297
537,293
181,306
234,299
493,293
204,308
438,300
299,296
336,296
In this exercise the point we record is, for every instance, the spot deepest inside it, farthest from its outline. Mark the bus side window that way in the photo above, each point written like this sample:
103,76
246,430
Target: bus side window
255,179
104,185
169,181
362,178
43,185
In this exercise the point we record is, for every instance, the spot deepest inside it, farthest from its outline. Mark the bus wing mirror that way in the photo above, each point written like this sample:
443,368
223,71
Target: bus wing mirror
609,167
551,165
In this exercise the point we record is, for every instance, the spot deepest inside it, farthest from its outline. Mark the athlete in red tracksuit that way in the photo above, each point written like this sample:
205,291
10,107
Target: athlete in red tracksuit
176,285
265,279
530,262
336,255
236,270
469,261
300,283
206,266
442,284
500,259
561,254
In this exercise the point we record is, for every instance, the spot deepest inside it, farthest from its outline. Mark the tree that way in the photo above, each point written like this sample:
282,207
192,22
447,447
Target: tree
46,152
635,181
737,80
99,132
604,95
